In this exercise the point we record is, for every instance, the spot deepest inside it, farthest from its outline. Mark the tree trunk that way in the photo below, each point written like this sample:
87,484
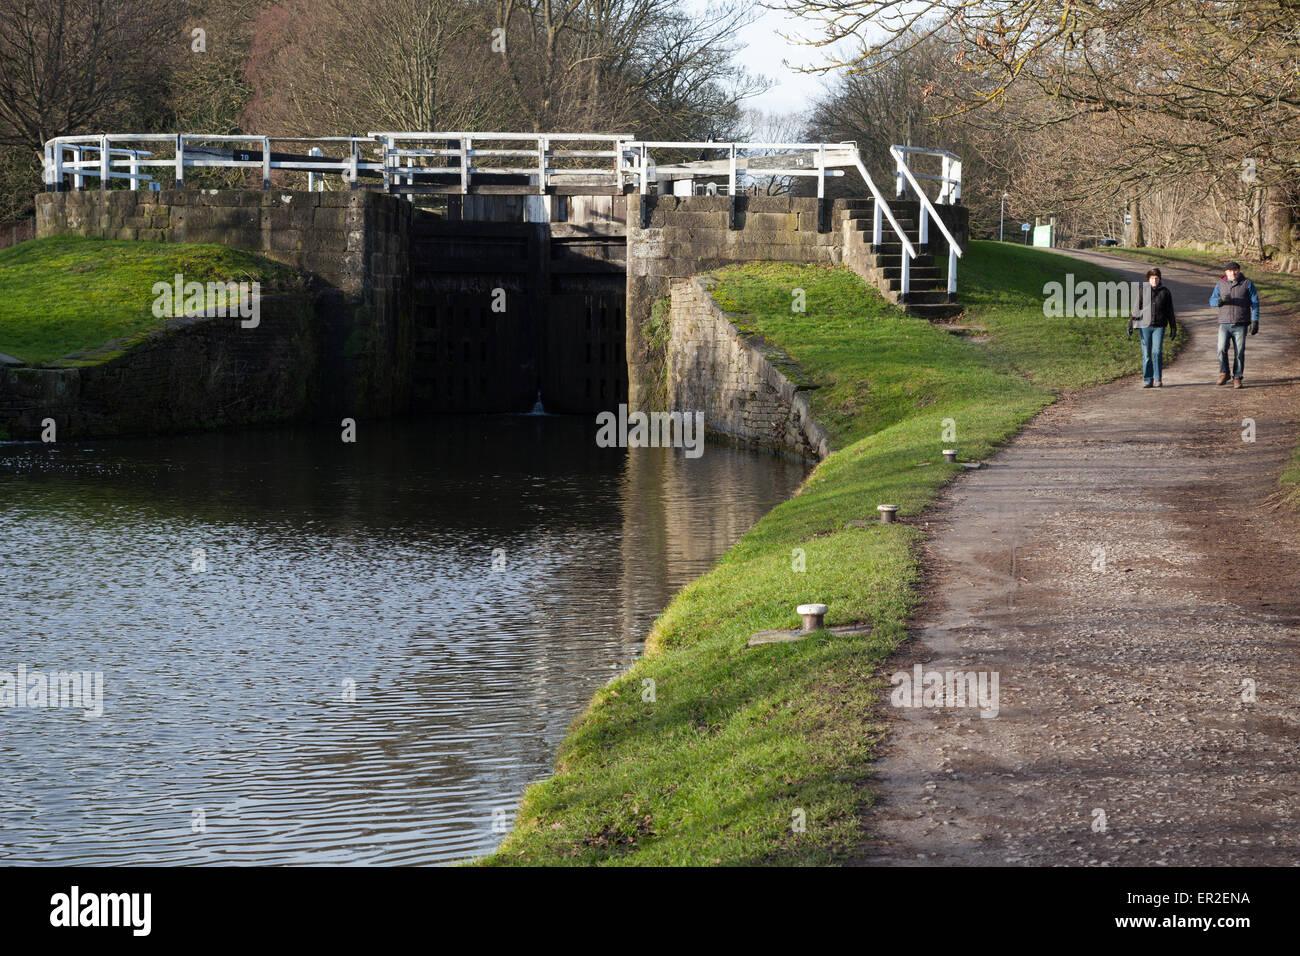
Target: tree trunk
1134,238
1281,222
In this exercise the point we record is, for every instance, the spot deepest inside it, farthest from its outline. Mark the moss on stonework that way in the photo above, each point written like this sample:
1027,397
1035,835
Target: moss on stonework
657,332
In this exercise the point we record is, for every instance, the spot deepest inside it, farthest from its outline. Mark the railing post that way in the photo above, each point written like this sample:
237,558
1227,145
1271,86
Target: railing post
59,168
78,178
388,163
355,161
103,162
821,188
907,275
465,146
180,160
541,165
266,162
877,227
645,198
954,194
952,273
900,183
311,173
923,233
731,189
134,168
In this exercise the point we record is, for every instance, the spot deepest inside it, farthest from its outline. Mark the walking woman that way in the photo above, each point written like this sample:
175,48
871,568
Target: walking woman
1153,314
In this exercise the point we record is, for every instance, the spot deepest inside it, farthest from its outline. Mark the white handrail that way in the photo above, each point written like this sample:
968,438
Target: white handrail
883,206
927,210
949,178
926,205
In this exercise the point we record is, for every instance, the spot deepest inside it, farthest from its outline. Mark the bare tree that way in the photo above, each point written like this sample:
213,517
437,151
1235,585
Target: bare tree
68,66
623,65
316,67
760,126
1194,89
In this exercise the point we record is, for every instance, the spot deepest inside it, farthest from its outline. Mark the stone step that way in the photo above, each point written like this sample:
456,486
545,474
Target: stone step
918,272
928,287
908,226
918,282
891,244
934,312
892,259
928,296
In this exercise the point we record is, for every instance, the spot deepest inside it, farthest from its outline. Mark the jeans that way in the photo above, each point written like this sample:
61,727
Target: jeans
1238,334
1153,342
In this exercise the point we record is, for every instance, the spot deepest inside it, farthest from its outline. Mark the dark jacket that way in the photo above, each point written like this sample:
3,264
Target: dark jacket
1162,307
1238,301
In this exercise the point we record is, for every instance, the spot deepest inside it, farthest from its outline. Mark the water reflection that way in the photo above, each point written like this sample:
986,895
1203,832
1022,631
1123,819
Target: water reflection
469,581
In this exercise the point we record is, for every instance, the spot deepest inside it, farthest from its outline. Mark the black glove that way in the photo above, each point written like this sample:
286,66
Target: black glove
1254,327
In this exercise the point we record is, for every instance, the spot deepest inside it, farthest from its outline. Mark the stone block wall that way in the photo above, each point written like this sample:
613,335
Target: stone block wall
749,390
355,243
687,235
187,374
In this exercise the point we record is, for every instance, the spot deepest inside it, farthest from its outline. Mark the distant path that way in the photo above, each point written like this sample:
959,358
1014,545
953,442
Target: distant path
1120,690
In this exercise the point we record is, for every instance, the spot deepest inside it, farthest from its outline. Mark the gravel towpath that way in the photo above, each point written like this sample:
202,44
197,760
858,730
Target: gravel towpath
1127,732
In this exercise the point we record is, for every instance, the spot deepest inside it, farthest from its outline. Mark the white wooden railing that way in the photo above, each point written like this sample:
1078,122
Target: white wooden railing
69,160
409,163
949,194
948,178
550,161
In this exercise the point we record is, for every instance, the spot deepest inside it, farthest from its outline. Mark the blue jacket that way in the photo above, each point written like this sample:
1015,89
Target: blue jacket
1231,300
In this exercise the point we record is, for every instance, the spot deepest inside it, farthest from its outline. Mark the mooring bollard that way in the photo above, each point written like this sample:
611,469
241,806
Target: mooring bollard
887,513
812,615
950,455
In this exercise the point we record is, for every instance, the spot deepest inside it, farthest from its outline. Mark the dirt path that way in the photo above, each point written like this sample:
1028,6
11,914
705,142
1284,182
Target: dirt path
1121,690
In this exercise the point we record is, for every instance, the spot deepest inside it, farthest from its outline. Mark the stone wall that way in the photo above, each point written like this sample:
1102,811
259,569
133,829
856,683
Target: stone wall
749,390
355,243
186,374
678,237
405,298
688,235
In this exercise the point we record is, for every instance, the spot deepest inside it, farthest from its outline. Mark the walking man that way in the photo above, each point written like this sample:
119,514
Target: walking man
1238,305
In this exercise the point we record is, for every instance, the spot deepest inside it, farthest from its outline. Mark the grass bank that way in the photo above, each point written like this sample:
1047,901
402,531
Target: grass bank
705,752
66,295
1278,291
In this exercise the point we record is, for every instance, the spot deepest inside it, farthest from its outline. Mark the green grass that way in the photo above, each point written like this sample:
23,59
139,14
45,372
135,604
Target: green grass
737,741
66,295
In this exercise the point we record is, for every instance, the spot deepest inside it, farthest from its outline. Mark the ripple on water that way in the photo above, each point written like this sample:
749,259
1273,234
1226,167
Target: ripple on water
316,653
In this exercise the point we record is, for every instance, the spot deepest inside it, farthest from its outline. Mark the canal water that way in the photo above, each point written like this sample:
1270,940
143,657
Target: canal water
319,652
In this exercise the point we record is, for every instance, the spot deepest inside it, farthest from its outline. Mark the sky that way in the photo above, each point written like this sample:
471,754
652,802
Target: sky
763,53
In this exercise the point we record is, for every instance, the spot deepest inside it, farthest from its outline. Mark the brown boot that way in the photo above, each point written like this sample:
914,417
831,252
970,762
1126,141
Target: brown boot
1223,377
1236,383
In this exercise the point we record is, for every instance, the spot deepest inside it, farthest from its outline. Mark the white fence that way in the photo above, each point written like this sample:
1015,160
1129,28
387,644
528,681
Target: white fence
949,180
461,163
